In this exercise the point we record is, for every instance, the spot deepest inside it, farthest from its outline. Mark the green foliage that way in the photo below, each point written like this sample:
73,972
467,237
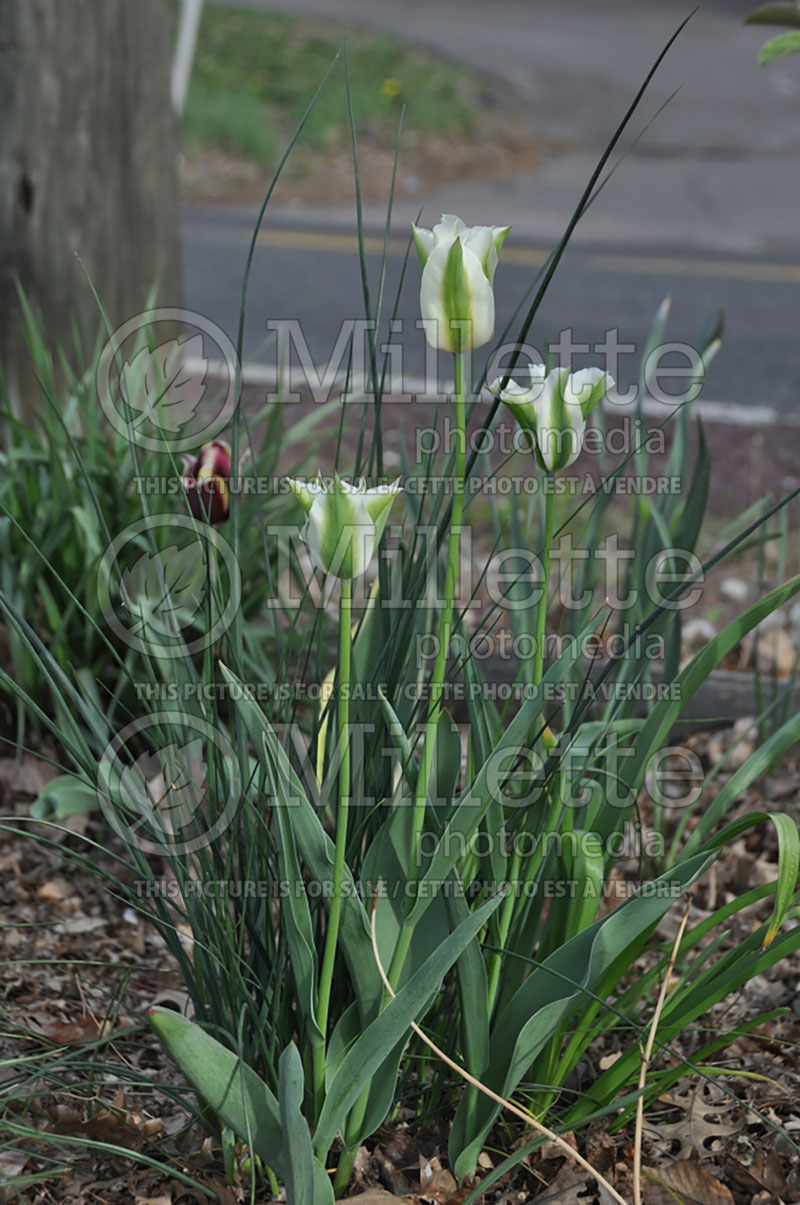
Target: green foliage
784,44
67,489
775,14
779,48
249,86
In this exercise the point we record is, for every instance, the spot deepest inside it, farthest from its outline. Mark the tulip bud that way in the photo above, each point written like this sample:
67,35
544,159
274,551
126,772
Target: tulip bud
207,482
457,289
345,522
554,409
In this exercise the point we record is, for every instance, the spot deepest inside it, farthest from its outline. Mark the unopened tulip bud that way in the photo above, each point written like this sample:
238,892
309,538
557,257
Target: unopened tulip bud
207,482
344,522
457,289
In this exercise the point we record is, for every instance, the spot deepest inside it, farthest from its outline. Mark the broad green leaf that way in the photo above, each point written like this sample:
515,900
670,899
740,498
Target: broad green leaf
478,795
540,1005
369,1052
314,846
398,735
307,1182
64,796
296,921
446,765
387,861
232,1089
778,48
381,1094
472,992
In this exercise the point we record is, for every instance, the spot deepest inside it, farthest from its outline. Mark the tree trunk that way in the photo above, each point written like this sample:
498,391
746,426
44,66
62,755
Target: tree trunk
88,147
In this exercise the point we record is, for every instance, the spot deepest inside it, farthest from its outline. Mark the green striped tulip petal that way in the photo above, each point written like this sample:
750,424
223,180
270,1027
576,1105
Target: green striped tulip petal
587,387
554,409
456,293
345,522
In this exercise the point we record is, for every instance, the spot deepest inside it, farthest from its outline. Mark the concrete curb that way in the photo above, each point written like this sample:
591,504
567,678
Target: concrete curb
720,413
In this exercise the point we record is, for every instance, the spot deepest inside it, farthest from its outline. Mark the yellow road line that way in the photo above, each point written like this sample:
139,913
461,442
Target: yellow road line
667,266
308,240
650,265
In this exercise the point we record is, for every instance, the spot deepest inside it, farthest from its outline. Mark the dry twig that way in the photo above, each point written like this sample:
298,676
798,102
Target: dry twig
527,1117
646,1055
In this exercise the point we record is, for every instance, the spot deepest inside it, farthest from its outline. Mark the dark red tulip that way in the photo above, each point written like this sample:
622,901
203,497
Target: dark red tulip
207,482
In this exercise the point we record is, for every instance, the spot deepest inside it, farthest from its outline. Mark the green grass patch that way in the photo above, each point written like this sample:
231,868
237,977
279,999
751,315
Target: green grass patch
255,72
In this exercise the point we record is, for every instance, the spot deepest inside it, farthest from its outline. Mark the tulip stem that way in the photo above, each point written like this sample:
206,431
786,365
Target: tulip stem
334,914
507,910
541,612
442,648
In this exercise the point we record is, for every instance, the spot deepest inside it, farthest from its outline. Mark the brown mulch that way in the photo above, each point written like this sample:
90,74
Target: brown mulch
427,162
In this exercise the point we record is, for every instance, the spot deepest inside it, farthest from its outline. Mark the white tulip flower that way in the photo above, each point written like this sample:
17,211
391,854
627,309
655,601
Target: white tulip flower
554,409
345,522
457,290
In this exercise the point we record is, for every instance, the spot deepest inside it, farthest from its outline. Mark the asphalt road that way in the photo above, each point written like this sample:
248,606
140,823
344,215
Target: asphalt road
704,208
719,167
311,274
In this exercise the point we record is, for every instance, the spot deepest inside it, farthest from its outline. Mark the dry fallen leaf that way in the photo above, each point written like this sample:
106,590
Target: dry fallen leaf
13,1162
569,1186
104,1126
764,1174
436,1182
82,924
690,1180
702,1120
73,1033
55,890
608,1060
23,778
767,1170
389,1173
373,1196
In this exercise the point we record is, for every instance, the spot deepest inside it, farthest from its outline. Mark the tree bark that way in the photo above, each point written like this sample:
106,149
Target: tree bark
88,148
